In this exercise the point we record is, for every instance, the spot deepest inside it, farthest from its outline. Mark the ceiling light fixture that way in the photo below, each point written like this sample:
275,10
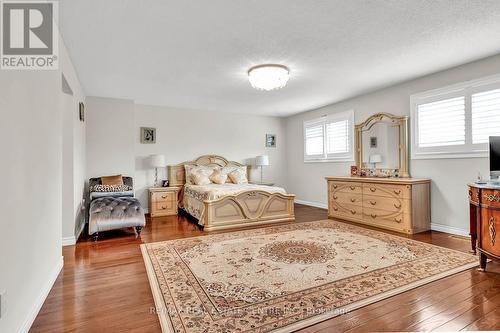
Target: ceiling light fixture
268,77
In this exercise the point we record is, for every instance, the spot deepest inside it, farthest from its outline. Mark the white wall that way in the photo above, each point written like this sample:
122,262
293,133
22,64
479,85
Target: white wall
110,137
31,107
73,186
449,176
182,135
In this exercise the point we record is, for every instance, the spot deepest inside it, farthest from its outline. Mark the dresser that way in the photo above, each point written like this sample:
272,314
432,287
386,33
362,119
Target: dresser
399,204
163,201
484,204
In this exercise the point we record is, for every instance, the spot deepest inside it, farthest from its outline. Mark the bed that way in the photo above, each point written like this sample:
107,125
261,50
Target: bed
224,206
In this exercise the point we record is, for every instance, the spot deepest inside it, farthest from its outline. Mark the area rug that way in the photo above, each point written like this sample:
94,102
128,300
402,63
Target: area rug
287,277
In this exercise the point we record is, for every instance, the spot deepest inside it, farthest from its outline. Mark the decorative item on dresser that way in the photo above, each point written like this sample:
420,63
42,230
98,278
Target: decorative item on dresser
484,203
399,204
163,201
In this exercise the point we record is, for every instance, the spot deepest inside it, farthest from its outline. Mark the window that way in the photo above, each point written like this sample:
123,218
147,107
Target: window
329,138
456,121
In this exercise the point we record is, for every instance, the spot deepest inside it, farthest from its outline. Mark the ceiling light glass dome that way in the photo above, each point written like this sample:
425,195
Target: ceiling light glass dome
268,77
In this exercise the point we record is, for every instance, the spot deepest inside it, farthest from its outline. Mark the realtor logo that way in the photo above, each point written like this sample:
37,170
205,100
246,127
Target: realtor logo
29,38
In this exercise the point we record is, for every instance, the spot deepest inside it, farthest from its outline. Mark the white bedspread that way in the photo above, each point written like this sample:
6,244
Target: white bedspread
194,195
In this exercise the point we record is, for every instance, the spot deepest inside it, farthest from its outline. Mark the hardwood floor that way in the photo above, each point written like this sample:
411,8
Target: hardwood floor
104,288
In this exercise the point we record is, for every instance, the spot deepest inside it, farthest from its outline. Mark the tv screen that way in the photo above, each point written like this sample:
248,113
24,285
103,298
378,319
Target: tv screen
494,153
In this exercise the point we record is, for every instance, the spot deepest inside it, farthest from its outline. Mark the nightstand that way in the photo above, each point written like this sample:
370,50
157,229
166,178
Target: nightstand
163,201
262,183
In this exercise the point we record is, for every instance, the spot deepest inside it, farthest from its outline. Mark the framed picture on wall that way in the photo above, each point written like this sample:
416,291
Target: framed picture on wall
148,135
81,111
271,140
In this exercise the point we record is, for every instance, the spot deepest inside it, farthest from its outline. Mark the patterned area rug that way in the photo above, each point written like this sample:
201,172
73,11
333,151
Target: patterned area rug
287,277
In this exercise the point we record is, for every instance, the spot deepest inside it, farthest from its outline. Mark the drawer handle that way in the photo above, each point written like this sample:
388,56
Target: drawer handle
164,196
373,202
373,189
373,215
163,207
397,206
334,186
398,220
397,192
353,212
335,197
352,188
353,200
335,209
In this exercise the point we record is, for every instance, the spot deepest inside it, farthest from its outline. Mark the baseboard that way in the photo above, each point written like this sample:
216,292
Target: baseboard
312,204
72,239
41,298
68,241
450,230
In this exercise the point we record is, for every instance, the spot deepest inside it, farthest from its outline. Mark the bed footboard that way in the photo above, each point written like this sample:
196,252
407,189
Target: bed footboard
248,208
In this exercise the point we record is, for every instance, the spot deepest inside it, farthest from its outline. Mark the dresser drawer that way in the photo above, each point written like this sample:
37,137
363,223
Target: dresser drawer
346,211
490,198
390,204
165,206
163,196
346,198
347,187
397,220
387,190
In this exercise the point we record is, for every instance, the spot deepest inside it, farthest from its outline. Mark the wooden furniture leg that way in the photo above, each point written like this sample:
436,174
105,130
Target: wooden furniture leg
138,229
473,226
482,261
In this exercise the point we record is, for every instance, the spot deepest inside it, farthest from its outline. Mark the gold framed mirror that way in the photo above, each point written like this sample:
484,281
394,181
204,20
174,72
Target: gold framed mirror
382,146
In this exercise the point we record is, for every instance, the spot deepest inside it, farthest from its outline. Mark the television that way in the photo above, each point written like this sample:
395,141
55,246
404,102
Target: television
494,157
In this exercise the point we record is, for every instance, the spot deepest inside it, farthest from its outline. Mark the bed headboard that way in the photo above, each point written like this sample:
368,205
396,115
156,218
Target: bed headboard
177,174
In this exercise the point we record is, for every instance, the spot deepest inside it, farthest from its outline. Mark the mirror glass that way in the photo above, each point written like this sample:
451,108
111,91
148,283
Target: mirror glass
380,145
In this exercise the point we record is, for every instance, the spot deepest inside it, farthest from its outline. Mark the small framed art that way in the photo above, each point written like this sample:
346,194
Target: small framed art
81,111
148,135
271,140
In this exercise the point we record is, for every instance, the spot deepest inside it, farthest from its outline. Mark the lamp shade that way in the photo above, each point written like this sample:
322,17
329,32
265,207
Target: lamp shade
375,158
262,160
157,161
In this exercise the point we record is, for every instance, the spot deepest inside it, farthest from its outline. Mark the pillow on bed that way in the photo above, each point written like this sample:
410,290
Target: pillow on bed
190,169
238,176
200,177
228,169
217,177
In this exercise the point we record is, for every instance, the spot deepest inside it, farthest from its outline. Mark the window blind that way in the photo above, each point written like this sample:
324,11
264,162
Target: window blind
485,115
314,136
337,134
441,123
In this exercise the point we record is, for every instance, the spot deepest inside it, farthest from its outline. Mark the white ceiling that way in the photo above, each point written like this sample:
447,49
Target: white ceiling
195,53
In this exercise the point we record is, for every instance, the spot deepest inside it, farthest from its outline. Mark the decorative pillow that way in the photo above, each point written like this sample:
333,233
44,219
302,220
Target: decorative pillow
238,177
200,177
191,169
218,177
110,188
228,169
112,180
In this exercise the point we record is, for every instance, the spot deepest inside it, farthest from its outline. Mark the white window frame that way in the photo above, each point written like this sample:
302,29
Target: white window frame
466,89
341,157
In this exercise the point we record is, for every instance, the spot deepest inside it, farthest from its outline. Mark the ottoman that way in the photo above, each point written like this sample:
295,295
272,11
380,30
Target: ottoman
110,213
